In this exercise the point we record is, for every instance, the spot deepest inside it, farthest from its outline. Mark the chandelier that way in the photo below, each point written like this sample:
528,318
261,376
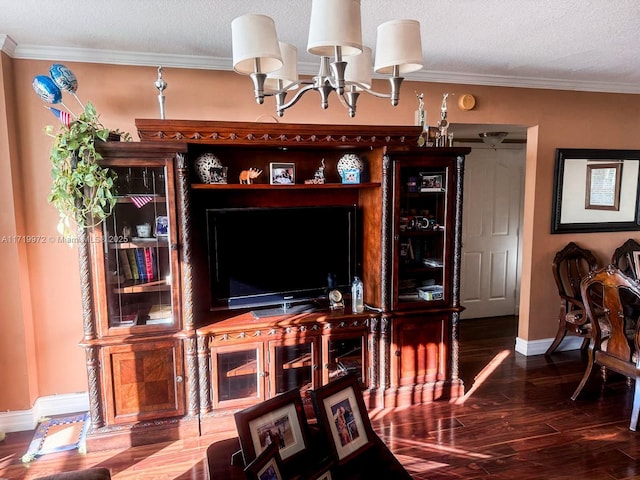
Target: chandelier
335,35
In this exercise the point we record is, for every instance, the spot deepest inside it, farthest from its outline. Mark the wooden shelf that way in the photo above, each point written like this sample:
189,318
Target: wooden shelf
155,286
249,368
297,186
300,362
140,243
420,233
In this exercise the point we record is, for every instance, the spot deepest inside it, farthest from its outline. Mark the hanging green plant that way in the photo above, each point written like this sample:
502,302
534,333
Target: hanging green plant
82,190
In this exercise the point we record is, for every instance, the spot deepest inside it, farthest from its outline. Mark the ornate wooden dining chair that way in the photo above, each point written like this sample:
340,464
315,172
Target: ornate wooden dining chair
570,266
616,338
623,258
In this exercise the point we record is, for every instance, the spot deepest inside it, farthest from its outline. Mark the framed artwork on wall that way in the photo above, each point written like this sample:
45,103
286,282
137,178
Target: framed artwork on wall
596,190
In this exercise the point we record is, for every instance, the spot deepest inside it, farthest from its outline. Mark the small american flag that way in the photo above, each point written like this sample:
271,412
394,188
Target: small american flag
141,200
64,117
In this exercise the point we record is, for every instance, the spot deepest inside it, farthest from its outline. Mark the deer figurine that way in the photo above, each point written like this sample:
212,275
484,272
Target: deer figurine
247,176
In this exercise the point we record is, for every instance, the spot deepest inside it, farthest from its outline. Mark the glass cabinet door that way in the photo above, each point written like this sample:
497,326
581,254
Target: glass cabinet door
238,373
138,257
420,231
345,355
292,366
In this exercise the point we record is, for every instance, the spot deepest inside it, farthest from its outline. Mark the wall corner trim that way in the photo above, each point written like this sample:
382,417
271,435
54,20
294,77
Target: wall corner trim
63,404
538,347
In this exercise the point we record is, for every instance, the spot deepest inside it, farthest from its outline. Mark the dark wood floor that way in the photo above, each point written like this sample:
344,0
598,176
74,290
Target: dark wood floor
515,422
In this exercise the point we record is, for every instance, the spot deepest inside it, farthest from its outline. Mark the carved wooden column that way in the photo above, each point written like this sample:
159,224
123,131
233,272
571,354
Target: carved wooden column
386,249
90,330
205,374
188,324
457,260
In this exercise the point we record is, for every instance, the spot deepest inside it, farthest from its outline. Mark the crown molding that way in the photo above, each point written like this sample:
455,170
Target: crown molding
7,45
69,54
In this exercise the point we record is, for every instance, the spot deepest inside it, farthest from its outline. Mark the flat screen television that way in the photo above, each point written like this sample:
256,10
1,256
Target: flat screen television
281,256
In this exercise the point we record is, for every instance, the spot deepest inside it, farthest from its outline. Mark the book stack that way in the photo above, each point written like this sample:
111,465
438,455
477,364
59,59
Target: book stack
139,264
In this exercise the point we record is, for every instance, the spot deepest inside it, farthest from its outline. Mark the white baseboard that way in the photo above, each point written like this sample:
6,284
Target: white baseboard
63,404
538,347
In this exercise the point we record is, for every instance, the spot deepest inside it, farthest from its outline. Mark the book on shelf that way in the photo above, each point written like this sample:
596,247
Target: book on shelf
125,266
142,270
154,263
148,264
133,264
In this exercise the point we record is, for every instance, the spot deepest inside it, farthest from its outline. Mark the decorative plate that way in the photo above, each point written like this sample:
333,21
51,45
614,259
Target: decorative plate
350,161
204,165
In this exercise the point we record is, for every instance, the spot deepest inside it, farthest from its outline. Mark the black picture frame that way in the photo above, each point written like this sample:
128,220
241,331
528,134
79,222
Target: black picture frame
342,415
280,420
570,213
266,466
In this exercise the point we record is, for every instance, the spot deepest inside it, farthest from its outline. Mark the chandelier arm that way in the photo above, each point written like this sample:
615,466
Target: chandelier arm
349,100
281,108
394,95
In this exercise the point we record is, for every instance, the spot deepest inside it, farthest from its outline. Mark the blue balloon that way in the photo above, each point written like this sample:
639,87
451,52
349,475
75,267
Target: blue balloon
46,89
63,77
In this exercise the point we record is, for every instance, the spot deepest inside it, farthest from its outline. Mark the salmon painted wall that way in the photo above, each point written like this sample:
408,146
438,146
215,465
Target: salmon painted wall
40,311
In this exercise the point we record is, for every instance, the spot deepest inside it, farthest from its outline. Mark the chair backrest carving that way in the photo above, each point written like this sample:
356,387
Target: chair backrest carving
608,290
570,266
623,258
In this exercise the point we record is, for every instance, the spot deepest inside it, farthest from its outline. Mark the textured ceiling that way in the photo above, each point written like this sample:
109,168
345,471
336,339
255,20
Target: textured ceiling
591,45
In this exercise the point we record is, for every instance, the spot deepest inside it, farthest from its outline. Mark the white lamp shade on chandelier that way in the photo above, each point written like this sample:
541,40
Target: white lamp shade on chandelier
359,68
335,30
398,44
288,73
254,38
335,23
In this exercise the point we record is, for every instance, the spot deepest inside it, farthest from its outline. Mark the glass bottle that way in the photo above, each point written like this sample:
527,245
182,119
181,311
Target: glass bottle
357,296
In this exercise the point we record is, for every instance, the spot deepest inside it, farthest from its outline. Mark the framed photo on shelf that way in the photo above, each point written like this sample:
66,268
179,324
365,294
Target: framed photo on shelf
351,176
266,466
342,415
282,173
431,183
279,420
162,226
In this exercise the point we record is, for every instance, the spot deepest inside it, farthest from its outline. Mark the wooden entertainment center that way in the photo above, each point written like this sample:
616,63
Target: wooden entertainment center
162,363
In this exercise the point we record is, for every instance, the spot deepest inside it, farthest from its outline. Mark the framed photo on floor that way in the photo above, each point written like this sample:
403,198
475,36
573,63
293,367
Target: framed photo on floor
343,417
266,466
279,420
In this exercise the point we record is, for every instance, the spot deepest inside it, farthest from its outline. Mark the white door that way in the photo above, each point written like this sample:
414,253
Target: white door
493,193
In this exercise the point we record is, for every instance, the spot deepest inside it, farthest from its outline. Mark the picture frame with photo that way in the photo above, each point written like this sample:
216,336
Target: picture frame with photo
342,415
323,472
161,228
266,466
431,182
280,420
282,173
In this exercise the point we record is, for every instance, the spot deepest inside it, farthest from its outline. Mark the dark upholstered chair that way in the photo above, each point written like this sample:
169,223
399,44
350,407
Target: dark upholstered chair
570,266
97,473
609,289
